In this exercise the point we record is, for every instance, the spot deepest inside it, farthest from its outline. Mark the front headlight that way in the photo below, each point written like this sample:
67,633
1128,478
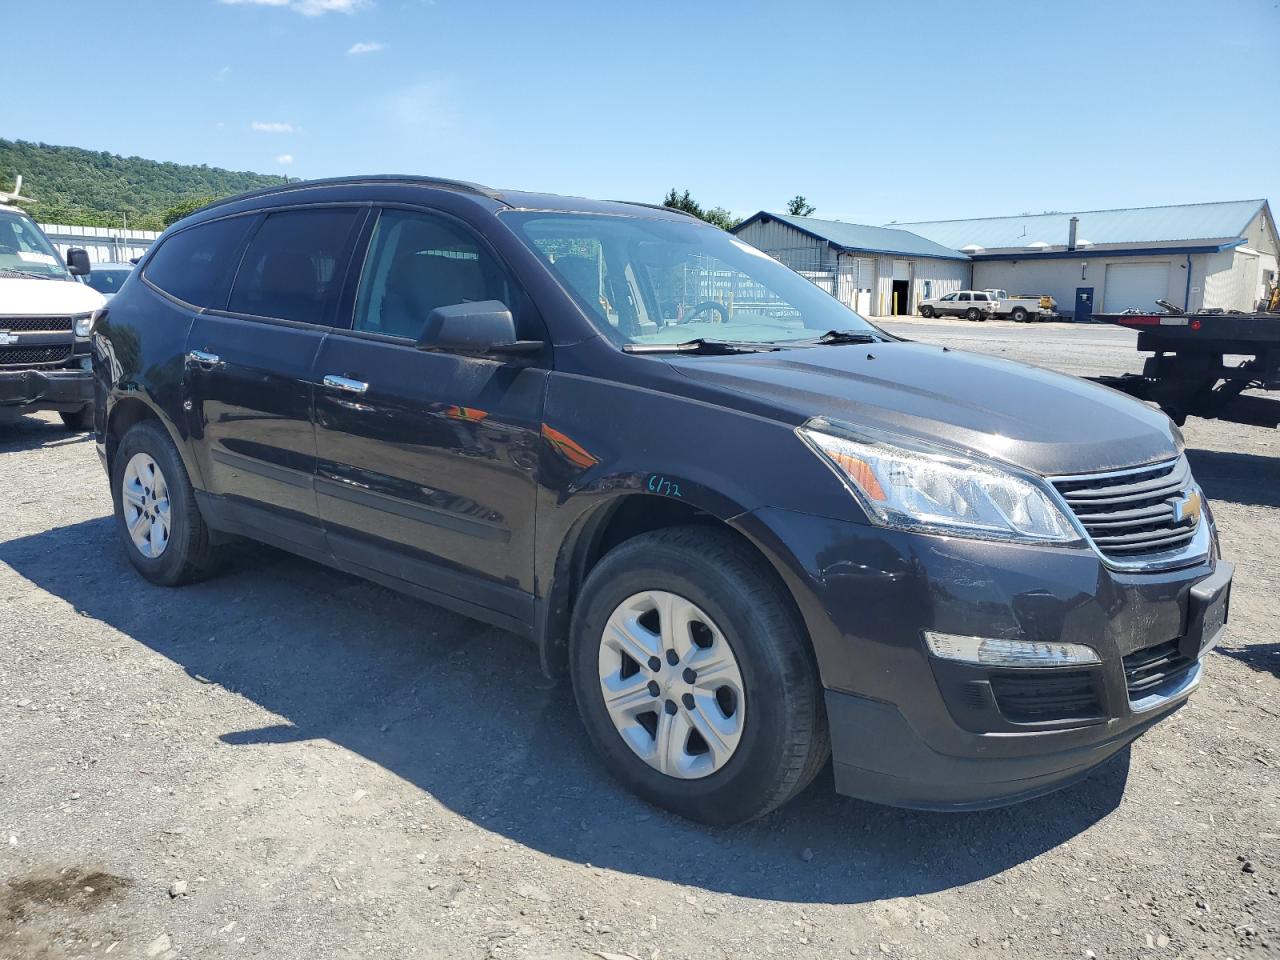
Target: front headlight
83,324
931,489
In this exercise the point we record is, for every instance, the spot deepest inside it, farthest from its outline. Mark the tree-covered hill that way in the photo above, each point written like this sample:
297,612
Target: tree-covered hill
93,188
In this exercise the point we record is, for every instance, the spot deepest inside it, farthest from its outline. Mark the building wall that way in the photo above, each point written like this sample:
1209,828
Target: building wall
788,245
1061,277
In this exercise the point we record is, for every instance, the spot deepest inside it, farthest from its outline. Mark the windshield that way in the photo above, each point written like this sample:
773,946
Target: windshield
662,281
24,248
106,279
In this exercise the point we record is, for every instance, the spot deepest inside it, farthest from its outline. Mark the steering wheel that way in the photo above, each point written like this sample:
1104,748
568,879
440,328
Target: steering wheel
705,305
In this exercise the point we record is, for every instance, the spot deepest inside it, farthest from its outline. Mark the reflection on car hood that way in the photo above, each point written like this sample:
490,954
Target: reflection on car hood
1046,422
29,297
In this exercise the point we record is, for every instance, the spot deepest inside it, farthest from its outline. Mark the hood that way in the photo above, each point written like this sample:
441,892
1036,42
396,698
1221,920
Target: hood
1042,421
20,297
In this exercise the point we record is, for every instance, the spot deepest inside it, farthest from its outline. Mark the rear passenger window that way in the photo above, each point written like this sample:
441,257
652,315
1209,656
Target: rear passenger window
195,265
964,296
417,263
291,269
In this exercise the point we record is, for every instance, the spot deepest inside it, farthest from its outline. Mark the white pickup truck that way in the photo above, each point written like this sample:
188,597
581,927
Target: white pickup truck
1024,307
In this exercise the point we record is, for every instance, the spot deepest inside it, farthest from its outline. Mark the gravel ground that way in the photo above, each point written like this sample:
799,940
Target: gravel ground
284,762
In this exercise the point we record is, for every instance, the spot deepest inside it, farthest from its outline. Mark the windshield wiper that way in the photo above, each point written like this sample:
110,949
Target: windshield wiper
11,272
845,336
700,345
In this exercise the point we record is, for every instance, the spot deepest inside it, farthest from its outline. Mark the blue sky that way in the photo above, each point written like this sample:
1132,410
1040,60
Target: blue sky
878,111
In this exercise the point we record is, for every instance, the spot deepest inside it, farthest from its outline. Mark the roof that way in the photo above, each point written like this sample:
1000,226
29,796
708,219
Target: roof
857,237
1134,225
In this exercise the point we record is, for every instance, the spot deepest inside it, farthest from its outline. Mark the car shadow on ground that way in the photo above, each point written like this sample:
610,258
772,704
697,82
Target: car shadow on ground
32,433
1263,657
1246,478
462,711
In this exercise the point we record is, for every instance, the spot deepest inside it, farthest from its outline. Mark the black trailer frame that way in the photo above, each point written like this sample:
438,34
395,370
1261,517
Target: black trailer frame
1189,372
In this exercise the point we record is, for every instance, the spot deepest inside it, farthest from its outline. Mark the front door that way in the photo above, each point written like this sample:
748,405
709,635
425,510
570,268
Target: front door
427,461
1084,304
249,373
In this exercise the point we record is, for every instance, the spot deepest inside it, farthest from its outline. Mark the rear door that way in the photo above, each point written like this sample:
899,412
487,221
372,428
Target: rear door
249,371
427,461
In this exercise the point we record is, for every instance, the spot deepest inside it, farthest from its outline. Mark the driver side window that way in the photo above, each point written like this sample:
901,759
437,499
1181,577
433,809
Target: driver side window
418,262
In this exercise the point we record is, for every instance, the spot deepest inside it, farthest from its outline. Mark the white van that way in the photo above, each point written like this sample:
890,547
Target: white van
46,315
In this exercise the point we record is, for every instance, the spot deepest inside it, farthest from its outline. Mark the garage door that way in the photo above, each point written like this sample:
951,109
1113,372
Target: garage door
1135,285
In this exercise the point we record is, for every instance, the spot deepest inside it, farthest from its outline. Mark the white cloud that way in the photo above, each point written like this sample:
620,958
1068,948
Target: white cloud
272,126
424,107
308,8
285,159
365,46
222,74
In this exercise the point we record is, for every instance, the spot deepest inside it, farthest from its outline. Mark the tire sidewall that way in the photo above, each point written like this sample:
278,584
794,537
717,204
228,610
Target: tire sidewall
148,437
718,797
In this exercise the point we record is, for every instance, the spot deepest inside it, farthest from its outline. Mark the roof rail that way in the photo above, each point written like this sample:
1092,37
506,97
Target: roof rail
462,186
659,206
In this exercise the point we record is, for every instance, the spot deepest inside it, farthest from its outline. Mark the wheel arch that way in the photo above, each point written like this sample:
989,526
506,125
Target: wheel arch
606,525
128,411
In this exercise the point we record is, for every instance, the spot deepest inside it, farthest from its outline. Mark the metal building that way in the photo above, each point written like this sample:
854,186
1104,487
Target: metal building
1198,256
877,271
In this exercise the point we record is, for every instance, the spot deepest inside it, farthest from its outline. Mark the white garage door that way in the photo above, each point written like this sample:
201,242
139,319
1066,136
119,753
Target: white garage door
1135,285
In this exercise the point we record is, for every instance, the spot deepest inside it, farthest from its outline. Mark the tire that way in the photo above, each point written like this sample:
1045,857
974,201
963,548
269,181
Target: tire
926,312
782,738
186,554
973,313
1019,315
80,421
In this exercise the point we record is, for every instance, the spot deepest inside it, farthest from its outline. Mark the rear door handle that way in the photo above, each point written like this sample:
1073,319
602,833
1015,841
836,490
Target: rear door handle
204,358
345,384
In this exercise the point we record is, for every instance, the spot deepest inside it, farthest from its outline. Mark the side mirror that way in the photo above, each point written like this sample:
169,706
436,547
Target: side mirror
485,326
78,264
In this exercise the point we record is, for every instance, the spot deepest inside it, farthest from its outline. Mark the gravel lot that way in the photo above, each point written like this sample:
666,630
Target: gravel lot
283,762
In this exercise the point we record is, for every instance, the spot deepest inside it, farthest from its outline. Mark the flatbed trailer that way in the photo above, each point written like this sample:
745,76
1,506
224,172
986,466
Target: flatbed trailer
1200,361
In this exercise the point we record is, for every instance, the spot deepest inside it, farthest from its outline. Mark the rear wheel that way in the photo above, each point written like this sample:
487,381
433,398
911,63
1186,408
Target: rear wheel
1019,315
164,535
694,677
79,420
973,313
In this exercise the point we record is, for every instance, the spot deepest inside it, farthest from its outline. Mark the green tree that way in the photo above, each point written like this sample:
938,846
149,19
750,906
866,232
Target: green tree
798,206
184,208
716,216
93,188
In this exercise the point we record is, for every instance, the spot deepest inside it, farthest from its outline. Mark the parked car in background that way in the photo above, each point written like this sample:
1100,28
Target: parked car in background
45,317
1025,308
752,535
970,304
107,278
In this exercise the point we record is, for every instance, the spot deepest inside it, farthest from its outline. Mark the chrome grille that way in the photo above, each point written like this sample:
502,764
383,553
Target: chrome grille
1130,514
34,356
35,324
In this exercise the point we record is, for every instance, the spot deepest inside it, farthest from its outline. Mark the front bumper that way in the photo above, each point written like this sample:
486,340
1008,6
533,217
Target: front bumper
911,730
25,391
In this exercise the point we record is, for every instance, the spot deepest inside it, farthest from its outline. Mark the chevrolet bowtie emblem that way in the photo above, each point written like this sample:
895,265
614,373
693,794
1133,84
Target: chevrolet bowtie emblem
6,337
1188,507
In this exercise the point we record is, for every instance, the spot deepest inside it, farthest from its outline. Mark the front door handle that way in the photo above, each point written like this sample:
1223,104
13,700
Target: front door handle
345,384
204,358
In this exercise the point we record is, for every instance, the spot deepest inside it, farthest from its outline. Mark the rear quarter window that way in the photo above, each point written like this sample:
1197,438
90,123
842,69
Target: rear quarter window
195,264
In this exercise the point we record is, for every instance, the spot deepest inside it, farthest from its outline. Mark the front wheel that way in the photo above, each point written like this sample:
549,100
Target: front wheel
694,677
926,312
